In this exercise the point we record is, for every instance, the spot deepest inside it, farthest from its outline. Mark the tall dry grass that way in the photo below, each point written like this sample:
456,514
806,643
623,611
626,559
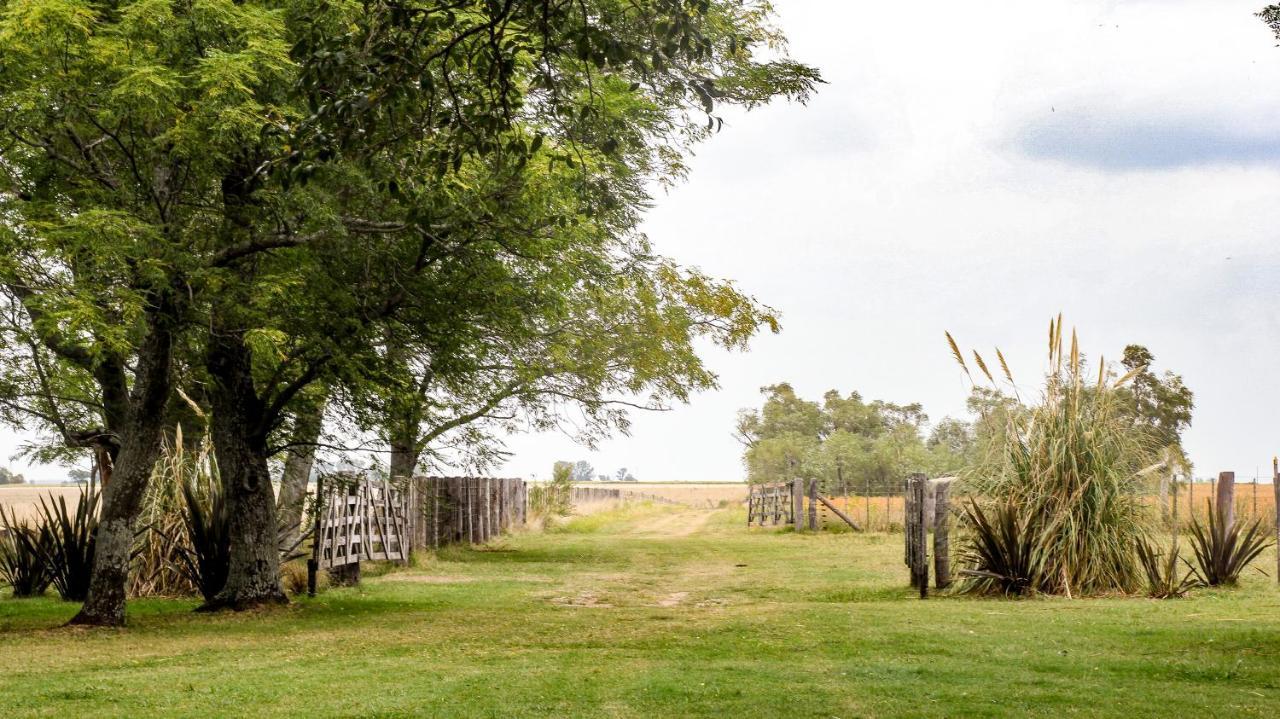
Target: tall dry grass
160,560
1076,470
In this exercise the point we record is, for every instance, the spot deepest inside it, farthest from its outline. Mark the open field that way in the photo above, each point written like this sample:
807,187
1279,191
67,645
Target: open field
654,611
704,494
24,499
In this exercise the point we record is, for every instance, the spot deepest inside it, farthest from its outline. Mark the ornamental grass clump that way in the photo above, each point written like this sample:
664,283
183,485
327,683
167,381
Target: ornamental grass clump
22,549
1223,550
1070,471
70,537
1167,573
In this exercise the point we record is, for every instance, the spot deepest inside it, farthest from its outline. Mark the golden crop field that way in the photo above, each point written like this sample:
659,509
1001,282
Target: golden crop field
701,494
24,500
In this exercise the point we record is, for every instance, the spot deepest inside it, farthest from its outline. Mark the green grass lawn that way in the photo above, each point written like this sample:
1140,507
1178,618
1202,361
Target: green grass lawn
655,612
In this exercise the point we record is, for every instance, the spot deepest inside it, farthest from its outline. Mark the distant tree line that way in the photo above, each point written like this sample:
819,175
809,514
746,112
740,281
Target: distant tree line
846,442
850,444
582,471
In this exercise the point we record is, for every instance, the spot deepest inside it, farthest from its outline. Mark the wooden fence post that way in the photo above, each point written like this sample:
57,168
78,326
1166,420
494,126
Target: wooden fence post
919,532
1226,499
813,504
942,534
908,534
797,504
1275,489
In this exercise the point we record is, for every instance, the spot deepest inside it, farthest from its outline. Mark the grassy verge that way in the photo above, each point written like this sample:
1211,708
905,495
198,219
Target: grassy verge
655,611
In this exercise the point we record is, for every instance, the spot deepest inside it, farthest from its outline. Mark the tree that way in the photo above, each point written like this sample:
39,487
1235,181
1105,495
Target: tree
265,198
8,477
1161,404
583,471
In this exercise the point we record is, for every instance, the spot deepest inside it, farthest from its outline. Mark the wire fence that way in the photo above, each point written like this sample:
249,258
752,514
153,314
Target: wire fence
877,503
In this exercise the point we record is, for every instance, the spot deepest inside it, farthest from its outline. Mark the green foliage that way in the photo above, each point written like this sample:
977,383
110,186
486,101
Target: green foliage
433,209
71,538
22,552
8,477
1222,552
845,442
1166,578
1075,468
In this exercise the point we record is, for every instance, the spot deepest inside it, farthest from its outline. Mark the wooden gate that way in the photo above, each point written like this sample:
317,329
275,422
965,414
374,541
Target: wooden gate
361,518
770,504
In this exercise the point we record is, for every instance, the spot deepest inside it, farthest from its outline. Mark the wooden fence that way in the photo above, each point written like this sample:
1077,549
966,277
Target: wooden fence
366,518
470,510
770,504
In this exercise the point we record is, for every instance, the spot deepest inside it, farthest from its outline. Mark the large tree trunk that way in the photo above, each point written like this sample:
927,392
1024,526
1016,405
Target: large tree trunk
240,444
139,436
297,471
404,457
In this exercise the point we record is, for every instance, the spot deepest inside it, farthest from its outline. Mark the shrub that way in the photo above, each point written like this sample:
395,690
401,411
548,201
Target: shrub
1165,579
1003,551
22,564
70,536
554,498
1223,552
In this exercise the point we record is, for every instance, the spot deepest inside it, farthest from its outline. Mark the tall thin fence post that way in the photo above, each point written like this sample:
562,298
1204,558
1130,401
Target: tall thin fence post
797,504
1226,492
1275,489
866,488
942,534
907,535
915,519
317,539
813,504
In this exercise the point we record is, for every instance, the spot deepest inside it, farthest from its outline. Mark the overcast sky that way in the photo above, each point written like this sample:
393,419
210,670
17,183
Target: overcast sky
978,168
